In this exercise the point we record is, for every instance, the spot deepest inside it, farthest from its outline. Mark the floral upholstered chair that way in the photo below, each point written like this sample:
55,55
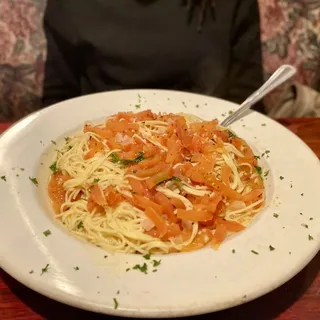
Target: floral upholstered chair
290,31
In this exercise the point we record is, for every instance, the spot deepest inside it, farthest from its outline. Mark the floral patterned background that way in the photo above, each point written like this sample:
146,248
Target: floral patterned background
290,31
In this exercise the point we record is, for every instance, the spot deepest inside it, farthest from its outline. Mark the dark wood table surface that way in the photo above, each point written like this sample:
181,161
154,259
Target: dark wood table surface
298,299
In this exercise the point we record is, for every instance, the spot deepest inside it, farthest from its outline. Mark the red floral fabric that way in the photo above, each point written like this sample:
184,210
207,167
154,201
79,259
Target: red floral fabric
290,31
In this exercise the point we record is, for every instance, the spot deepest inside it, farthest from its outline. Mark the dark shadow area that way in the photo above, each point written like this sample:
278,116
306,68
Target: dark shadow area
265,308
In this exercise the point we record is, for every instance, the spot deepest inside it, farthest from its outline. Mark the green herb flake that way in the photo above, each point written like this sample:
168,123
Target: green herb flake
311,219
259,170
147,256
128,269
80,225
116,304
281,177
301,214
197,106
230,112
310,237
271,248
176,179
53,142
106,257
96,180
53,167
156,263
138,159
31,272
22,169
138,106
4,178
276,215
257,157
143,268
67,139
263,124
305,225
114,158
70,147
34,181
154,270
76,268
184,104
118,292
233,251
47,233
254,252
45,269
231,135
302,194
266,173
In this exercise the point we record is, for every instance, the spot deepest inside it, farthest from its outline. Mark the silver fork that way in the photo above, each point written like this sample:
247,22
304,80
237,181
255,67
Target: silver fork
281,75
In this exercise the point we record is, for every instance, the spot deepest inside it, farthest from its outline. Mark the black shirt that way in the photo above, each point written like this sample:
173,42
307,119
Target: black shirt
100,45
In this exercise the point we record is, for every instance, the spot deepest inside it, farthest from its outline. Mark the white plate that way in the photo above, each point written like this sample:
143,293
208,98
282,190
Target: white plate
185,284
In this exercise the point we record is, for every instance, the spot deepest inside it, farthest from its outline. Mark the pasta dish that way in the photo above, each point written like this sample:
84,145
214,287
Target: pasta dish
146,183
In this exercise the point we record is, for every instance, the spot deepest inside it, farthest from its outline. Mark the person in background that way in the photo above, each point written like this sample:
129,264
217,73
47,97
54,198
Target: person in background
210,47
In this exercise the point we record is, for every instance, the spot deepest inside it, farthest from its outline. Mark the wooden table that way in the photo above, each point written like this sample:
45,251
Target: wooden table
298,299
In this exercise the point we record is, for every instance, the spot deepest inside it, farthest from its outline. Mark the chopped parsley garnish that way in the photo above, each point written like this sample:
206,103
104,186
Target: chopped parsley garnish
176,179
138,159
271,248
45,269
70,147
118,291
263,124
254,252
230,112
95,180
311,219
305,225
197,106
143,268
266,173
22,169
53,167
147,256
34,181
67,139
47,233
31,271
231,134
275,215
184,104
257,157
281,177
4,178
116,304
156,263
105,257
114,158
80,225
301,214
52,141
259,170
76,268
128,269
137,106
233,251
310,237
154,270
